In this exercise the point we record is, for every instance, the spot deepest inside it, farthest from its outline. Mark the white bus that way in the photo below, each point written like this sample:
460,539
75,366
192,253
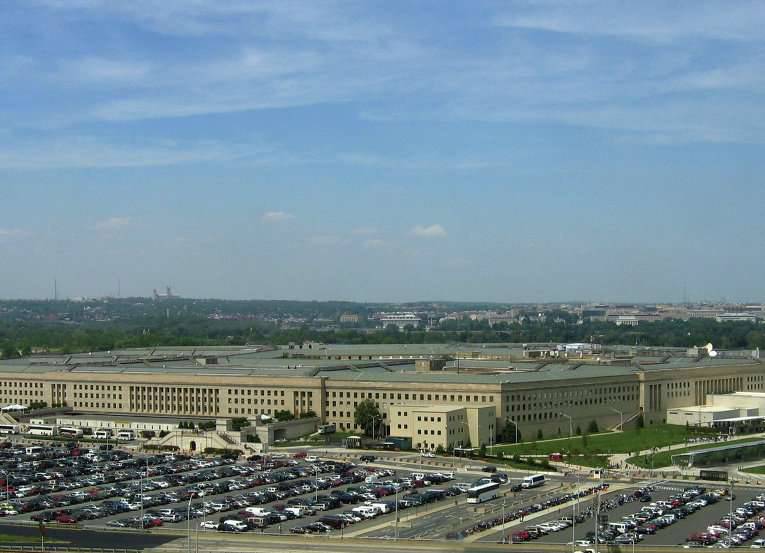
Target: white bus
70,432
484,492
33,450
103,434
42,429
327,429
126,435
533,481
9,428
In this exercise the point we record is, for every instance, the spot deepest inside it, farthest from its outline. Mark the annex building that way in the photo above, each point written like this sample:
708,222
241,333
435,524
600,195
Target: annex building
330,381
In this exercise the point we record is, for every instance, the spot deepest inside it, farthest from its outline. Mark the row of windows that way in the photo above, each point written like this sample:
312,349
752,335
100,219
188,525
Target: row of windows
568,403
93,405
414,397
107,387
598,390
235,401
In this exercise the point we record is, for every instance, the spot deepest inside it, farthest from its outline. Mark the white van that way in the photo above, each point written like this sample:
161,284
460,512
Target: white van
366,511
621,527
234,525
258,511
381,507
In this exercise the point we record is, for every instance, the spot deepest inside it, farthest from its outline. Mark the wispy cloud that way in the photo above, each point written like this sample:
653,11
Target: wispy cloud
430,231
364,231
7,234
607,64
276,216
112,224
83,152
373,243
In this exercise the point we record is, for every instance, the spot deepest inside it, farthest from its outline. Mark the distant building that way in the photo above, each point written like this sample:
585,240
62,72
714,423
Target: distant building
349,318
400,319
736,317
166,295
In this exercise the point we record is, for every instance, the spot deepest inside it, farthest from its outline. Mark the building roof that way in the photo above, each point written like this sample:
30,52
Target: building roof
390,363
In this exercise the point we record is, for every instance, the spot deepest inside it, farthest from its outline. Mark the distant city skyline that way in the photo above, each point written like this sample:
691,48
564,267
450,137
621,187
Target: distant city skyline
383,151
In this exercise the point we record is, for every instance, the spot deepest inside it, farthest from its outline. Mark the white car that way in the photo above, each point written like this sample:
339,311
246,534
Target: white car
208,525
758,544
427,454
311,459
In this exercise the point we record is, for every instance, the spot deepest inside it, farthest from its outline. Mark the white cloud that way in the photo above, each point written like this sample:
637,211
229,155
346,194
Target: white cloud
364,231
82,152
373,243
10,233
112,224
326,240
430,231
276,216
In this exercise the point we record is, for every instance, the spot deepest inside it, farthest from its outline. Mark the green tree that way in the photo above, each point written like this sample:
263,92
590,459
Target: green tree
440,450
540,434
308,415
237,423
508,433
283,415
578,430
366,412
593,427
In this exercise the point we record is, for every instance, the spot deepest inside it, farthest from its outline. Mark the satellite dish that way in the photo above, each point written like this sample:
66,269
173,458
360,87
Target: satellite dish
712,353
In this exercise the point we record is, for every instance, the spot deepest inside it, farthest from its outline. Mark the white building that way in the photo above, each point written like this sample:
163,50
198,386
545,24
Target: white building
400,319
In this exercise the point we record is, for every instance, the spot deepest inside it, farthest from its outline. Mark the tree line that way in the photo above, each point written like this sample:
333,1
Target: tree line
21,338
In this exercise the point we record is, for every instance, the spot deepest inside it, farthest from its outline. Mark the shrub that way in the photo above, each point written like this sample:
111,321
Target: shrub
593,427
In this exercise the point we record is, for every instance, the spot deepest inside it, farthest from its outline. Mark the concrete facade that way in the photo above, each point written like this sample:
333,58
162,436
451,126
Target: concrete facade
534,397
431,427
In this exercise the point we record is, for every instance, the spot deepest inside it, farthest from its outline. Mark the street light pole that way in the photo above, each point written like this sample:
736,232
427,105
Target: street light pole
395,533
188,521
504,530
570,430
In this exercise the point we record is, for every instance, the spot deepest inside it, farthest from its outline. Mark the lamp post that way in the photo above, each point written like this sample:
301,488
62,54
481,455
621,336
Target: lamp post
570,430
504,530
573,517
454,456
378,417
621,417
188,521
395,532
515,425
316,483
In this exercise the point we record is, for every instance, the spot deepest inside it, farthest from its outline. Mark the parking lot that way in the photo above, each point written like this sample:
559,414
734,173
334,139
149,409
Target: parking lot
678,532
97,489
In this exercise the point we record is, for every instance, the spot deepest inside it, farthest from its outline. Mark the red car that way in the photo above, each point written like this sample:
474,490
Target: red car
63,518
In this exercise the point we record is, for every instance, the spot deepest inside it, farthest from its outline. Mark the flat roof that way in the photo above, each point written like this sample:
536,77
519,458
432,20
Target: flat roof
398,366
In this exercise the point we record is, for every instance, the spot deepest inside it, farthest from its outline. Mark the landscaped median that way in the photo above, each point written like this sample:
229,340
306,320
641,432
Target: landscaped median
604,443
664,458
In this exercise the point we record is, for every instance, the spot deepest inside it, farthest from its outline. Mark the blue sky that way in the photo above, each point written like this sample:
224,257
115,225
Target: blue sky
507,151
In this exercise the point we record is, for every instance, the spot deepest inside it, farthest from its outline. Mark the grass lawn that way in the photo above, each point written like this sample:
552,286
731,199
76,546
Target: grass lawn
756,470
657,435
506,462
664,458
594,461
